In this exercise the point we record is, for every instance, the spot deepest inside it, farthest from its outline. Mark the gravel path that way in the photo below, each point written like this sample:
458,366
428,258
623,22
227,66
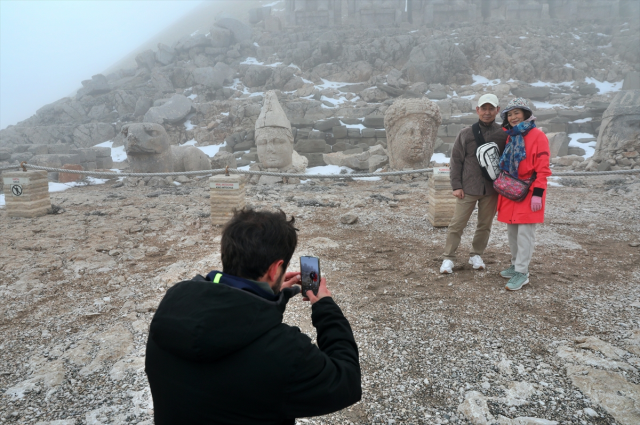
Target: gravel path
78,290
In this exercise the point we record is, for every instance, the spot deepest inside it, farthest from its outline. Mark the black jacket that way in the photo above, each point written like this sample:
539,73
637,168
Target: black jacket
217,354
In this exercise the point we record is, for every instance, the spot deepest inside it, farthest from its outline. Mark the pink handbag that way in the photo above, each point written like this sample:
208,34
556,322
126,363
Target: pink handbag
511,187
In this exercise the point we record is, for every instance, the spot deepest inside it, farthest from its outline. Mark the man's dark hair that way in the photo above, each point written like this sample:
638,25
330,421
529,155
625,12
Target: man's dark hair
253,240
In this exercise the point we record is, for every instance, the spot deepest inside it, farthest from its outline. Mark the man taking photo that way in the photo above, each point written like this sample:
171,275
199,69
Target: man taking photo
471,187
218,352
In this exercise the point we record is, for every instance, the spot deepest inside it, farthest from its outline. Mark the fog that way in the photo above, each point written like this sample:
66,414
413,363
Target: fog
48,47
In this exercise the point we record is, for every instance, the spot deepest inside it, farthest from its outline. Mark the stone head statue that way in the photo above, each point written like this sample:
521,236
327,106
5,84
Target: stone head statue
274,139
412,127
148,149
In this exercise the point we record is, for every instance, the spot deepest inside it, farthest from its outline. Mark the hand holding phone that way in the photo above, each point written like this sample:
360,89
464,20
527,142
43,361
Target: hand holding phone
310,274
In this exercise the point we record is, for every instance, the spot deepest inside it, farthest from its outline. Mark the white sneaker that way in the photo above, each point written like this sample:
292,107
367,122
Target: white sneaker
446,267
477,262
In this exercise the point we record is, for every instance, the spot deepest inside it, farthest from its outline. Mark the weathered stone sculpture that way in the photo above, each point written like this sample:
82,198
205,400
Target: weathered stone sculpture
619,136
148,150
274,140
412,127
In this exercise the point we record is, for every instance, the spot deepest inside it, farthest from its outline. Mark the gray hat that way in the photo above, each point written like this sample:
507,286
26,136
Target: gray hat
517,103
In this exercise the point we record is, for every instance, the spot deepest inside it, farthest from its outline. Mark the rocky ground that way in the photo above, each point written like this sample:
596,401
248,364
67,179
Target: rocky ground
78,289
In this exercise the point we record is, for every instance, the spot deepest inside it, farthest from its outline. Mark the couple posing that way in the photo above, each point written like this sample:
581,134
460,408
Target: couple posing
524,151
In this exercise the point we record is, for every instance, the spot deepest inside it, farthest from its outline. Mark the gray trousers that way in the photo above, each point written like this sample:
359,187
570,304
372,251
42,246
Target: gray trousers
521,241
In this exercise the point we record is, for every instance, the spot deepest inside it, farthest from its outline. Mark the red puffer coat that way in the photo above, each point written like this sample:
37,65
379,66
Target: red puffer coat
536,146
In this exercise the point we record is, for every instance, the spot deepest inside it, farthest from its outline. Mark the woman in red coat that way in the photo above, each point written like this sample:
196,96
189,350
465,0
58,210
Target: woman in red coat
526,152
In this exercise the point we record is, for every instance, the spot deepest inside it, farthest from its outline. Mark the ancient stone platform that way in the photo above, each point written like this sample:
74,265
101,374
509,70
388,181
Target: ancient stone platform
26,193
441,203
226,193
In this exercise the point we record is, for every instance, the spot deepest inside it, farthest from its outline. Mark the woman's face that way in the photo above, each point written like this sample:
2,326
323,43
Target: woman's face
515,116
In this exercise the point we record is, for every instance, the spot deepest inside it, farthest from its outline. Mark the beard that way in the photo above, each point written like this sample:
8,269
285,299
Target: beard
279,282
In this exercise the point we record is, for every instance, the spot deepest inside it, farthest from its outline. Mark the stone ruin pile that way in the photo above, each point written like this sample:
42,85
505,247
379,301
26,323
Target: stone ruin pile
336,71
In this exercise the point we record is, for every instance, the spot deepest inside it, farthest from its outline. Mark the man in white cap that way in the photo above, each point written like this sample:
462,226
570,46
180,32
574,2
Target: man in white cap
471,187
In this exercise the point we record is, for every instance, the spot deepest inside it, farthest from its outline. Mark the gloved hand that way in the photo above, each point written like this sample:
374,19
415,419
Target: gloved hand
536,203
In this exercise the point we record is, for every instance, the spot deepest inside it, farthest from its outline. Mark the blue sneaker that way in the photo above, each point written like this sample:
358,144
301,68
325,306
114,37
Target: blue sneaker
508,273
517,281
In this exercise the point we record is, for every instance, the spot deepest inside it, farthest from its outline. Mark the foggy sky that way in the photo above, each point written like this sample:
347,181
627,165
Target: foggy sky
48,47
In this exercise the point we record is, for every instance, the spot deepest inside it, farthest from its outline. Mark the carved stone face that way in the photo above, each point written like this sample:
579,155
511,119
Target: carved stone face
148,149
411,140
275,147
145,139
412,127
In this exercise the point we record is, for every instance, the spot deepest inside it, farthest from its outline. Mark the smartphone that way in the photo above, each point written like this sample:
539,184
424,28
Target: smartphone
310,274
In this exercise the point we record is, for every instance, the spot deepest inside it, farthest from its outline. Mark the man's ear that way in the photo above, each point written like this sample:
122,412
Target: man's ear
274,270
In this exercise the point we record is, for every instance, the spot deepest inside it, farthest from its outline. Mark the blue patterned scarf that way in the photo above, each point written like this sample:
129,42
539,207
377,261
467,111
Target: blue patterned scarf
514,151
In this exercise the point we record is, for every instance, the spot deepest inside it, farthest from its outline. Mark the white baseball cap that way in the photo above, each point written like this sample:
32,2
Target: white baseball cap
488,98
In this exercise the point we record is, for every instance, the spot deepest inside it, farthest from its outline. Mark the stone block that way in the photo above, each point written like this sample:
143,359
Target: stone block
315,159
534,93
226,193
316,134
251,156
326,125
381,134
104,163
558,144
101,152
38,149
574,150
339,132
354,133
90,166
631,81
554,127
368,132
442,131
59,149
26,194
369,141
70,177
374,121
52,161
454,129
341,146
87,155
70,158
310,146
5,155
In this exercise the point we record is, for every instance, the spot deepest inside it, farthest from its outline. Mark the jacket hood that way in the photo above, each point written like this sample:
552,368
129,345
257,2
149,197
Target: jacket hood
202,321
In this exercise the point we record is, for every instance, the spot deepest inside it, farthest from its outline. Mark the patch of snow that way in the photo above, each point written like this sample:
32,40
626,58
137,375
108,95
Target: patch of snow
188,125
272,4
440,158
360,126
568,65
226,114
605,86
211,150
251,61
556,85
546,105
605,46
479,79
335,169
551,181
589,148
117,154
192,96
601,34
522,37
61,187
583,120
177,183
191,142
2,203
256,44
194,33
468,97
326,84
577,37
